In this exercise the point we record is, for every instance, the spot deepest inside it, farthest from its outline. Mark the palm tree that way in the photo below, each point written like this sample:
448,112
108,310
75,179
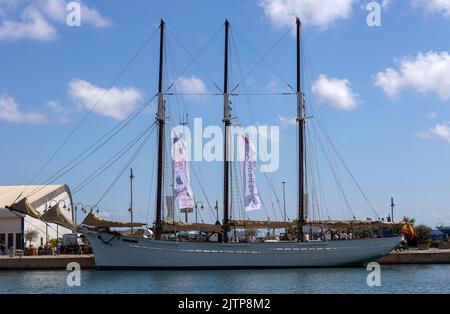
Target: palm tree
409,220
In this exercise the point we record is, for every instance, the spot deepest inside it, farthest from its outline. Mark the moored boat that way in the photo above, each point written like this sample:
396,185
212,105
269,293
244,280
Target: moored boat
114,250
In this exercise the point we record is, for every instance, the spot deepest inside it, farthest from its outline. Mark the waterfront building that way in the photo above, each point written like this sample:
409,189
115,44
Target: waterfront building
14,226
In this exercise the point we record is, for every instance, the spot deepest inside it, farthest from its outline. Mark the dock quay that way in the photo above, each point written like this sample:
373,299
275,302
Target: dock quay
430,256
60,262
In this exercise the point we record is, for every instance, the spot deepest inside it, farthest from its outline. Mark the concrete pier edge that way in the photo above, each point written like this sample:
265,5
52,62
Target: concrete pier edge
60,262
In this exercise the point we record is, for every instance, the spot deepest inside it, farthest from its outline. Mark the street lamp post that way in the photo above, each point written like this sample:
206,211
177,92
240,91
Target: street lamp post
95,208
76,209
196,210
57,226
284,200
89,209
217,213
392,209
86,209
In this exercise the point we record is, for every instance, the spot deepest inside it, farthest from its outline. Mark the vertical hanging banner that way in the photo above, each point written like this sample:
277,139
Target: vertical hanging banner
182,190
252,200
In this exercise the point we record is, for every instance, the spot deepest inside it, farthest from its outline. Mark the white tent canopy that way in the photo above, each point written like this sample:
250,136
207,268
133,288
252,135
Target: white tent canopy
36,195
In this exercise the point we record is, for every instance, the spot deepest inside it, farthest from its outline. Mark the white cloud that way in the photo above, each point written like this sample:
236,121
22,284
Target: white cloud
274,86
192,85
434,6
115,102
317,13
442,130
425,73
54,106
9,112
288,121
58,111
335,93
56,10
32,25
432,115
439,130
37,19
385,4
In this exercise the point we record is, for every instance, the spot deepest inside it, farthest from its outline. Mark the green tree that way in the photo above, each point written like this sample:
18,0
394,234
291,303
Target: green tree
250,232
31,235
422,233
292,232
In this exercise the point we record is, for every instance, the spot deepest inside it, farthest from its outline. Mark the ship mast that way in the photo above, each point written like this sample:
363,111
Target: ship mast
227,123
161,119
301,141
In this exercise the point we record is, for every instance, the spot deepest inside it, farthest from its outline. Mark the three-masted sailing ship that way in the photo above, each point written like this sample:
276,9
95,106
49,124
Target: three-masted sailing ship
114,250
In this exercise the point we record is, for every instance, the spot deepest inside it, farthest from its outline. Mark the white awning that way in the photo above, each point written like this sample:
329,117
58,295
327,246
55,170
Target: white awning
36,195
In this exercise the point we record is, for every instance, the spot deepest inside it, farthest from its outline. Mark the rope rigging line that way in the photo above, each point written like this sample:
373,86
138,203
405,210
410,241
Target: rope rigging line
263,59
29,222
172,59
108,164
239,184
168,169
204,193
113,159
75,162
342,194
174,69
311,166
267,176
232,94
135,154
341,159
194,58
315,171
150,191
310,69
78,125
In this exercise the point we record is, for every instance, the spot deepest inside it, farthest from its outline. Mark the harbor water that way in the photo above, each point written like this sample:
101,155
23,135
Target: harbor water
394,279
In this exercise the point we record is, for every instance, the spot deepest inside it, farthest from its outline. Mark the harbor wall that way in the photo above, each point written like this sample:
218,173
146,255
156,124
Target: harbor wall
45,262
431,256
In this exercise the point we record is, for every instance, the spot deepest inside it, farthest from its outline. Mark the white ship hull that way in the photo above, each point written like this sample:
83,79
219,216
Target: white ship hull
119,252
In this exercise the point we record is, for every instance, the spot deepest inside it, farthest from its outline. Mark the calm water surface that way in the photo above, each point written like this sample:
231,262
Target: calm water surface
394,279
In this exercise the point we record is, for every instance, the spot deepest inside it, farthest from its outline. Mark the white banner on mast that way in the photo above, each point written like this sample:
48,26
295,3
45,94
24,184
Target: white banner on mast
252,200
182,190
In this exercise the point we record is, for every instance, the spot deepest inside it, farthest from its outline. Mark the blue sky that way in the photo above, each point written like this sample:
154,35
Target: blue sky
383,93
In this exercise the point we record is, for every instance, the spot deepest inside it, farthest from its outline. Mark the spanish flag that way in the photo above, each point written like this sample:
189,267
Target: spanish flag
408,229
